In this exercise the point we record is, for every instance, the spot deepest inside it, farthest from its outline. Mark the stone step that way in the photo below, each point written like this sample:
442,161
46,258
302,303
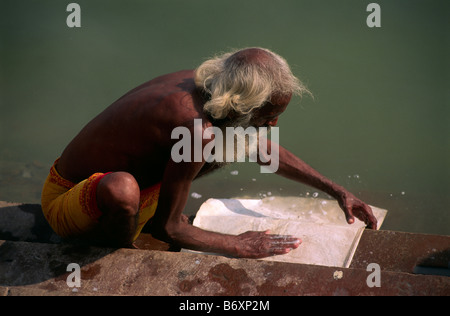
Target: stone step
403,252
33,261
41,269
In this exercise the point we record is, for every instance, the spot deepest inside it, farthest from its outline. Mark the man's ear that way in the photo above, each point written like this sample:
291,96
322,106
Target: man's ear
232,115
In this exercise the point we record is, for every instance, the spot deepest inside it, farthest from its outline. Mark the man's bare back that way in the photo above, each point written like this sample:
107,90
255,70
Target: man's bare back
133,134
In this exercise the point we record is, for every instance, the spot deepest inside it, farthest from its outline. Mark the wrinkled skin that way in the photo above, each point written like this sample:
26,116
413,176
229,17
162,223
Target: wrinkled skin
261,244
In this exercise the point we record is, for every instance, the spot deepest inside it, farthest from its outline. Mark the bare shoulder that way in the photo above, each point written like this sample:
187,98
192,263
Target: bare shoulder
178,97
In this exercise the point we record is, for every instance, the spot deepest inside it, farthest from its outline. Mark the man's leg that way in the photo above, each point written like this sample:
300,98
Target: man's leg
118,196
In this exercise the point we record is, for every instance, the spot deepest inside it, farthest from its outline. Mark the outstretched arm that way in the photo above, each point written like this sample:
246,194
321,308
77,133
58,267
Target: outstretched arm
168,224
292,167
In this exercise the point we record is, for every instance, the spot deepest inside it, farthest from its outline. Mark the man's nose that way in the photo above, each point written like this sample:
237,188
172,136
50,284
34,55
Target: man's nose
272,122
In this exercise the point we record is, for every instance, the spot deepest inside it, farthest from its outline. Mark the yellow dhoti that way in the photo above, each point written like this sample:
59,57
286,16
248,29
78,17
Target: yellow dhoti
71,208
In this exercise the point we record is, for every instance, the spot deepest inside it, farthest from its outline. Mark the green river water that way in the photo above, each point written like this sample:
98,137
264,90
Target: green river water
378,123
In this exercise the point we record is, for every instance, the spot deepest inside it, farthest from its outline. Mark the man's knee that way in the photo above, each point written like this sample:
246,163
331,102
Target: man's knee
118,192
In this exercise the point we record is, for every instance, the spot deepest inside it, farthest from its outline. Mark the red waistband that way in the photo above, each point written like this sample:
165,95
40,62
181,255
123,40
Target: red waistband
56,178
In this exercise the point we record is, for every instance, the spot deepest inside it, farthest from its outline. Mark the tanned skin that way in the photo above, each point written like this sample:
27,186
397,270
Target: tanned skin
132,139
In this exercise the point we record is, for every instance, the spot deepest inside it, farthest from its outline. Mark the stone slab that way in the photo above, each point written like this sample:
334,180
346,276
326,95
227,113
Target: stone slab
33,261
37,268
25,222
403,252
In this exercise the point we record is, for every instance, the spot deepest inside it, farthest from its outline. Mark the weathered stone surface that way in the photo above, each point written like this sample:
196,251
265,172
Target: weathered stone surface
402,252
27,268
33,261
25,222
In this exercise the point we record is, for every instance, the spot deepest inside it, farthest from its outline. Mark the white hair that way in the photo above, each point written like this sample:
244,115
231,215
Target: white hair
235,81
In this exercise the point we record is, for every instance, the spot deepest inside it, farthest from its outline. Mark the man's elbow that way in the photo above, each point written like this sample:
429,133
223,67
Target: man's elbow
170,232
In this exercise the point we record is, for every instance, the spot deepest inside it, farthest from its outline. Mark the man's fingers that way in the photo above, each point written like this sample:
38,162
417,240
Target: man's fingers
285,243
283,237
282,244
372,221
263,244
279,251
353,207
349,216
347,208
364,214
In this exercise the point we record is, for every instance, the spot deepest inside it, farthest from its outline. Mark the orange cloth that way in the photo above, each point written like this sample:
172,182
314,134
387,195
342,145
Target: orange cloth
71,208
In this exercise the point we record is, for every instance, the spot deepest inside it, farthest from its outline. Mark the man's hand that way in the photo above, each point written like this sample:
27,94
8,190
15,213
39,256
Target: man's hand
352,206
261,244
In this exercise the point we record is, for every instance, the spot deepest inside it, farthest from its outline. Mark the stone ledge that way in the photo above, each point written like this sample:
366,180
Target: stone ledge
33,261
40,269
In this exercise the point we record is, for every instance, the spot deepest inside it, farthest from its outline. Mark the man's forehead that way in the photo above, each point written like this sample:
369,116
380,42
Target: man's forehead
252,55
280,99
275,106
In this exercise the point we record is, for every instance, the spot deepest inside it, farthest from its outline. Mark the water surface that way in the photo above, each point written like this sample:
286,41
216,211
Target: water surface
378,123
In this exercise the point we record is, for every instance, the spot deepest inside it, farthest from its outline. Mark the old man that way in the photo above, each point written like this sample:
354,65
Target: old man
119,171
